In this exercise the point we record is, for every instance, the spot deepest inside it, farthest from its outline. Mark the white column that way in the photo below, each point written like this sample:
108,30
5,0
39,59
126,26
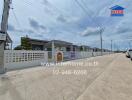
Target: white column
71,47
53,51
2,69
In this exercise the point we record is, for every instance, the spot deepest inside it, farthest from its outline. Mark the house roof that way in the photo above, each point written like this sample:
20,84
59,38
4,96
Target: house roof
59,43
62,42
85,46
117,7
37,40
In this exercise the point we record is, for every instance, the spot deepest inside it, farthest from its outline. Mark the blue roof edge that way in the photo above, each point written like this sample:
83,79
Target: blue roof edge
114,7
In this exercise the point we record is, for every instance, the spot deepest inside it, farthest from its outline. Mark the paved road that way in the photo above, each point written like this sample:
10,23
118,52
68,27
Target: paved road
101,78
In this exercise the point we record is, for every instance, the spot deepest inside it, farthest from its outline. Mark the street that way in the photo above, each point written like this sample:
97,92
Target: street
109,78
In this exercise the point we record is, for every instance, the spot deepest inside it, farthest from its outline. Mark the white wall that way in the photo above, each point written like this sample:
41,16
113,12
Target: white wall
81,55
131,54
17,59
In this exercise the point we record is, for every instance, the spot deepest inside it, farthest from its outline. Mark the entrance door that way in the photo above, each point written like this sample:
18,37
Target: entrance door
59,57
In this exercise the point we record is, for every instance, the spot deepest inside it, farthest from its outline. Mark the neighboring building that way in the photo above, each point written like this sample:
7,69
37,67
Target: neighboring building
47,45
96,49
33,44
99,50
85,48
36,44
60,45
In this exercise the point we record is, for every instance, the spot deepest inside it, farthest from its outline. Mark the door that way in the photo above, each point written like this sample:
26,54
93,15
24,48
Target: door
59,57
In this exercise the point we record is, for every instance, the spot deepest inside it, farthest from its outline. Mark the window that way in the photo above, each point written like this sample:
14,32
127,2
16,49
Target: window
130,50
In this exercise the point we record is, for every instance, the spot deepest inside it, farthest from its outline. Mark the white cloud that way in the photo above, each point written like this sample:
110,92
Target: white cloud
37,26
91,31
65,17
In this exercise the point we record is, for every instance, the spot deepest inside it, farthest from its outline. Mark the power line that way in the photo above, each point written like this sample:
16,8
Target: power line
84,9
87,7
53,6
118,40
101,29
91,12
16,18
27,3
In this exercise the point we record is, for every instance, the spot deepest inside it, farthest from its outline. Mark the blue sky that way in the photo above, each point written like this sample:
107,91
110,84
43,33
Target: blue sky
65,20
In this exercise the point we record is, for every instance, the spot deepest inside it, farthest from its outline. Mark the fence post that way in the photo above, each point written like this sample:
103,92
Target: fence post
46,56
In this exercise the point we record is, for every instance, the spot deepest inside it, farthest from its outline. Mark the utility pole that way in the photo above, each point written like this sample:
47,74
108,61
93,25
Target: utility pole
129,45
111,45
101,41
3,33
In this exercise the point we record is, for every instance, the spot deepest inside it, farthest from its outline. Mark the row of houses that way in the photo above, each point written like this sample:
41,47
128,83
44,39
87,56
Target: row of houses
45,45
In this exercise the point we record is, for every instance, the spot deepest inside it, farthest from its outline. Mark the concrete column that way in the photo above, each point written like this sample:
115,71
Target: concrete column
11,46
71,47
2,69
43,48
53,51
83,48
4,24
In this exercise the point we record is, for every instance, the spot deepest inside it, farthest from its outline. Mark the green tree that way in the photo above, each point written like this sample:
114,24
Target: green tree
19,47
25,43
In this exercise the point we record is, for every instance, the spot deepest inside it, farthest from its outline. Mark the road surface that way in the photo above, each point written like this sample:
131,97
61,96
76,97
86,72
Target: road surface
106,77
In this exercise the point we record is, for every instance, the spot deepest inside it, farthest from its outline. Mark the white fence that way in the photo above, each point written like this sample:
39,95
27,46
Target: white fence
17,59
81,55
131,55
84,54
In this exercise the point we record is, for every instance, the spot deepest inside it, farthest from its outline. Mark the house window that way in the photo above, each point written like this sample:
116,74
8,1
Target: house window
68,49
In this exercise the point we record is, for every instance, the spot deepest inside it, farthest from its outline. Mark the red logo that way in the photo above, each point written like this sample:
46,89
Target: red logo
117,12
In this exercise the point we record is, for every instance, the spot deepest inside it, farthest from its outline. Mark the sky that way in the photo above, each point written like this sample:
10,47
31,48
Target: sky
74,21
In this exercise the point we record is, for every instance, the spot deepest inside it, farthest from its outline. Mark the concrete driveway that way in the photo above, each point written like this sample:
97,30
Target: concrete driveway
99,78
